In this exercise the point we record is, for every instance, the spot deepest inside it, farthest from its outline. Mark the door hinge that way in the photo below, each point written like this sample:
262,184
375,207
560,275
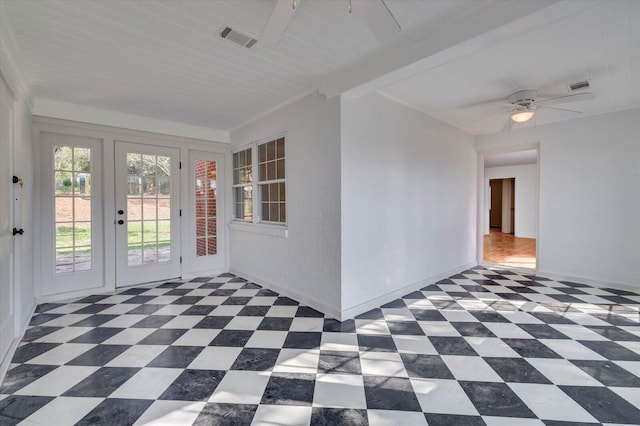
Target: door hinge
180,212
180,165
180,259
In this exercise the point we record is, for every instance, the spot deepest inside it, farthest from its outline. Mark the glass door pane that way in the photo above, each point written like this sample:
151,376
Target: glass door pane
206,207
72,205
148,208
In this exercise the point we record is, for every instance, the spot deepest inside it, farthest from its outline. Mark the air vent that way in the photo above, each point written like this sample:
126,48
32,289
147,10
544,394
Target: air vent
237,37
579,85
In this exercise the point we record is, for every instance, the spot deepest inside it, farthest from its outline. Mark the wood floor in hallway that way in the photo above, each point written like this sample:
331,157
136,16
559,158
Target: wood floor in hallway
506,249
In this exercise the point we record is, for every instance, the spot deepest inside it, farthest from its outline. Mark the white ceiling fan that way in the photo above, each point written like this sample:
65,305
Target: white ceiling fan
374,14
524,104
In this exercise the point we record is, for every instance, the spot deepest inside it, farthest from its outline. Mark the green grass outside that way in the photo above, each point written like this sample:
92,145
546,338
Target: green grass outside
135,236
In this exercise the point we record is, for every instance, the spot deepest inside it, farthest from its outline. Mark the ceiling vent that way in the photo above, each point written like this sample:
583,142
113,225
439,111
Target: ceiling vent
237,37
579,85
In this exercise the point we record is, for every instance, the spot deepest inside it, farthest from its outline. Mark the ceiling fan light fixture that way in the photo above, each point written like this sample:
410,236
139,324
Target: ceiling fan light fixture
522,116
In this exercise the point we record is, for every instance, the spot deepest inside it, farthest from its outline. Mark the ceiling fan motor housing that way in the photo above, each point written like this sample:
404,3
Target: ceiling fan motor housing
523,97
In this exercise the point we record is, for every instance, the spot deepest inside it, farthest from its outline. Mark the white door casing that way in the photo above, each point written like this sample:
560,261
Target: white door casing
147,182
7,307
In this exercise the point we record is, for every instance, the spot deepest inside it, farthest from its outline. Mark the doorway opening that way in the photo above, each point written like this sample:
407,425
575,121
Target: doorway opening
510,209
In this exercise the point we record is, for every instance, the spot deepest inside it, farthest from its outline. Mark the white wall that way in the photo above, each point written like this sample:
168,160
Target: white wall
408,201
305,264
589,196
11,69
526,193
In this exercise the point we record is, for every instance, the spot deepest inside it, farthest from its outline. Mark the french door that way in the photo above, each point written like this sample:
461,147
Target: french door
147,216
203,250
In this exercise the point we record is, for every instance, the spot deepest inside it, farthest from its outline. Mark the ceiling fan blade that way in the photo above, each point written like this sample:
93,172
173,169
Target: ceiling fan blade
562,109
507,126
568,98
377,17
278,22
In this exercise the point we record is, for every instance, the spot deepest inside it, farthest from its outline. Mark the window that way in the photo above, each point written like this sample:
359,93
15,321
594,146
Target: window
270,186
271,182
242,185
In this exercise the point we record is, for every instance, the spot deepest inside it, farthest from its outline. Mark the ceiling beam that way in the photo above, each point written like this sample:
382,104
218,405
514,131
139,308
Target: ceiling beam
419,52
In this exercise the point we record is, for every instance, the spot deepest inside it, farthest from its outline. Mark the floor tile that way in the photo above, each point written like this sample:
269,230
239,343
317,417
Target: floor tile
390,393
225,414
57,381
102,382
382,364
426,366
256,359
289,389
339,391
137,387
442,396
603,404
99,355
241,387
269,415
395,417
176,357
118,411
338,416
164,413
516,370
608,373
549,403
136,356
193,385
297,361
485,395
215,358
434,419
491,347
15,408
23,375
452,346
470,368
65,410
335,362
563,372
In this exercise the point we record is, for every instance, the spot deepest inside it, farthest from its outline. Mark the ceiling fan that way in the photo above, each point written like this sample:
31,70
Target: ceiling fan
524,104
374,14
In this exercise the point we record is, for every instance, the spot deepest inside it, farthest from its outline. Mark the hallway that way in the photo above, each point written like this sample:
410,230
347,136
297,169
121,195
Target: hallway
509,250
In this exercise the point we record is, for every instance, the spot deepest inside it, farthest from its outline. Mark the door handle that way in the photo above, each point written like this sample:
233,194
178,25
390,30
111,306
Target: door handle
18,231
120,211
120,222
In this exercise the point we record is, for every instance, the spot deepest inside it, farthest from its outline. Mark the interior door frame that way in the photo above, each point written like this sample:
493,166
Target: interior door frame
126,275
482,206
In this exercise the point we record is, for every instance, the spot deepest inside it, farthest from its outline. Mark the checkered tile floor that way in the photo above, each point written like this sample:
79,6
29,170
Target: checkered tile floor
482,347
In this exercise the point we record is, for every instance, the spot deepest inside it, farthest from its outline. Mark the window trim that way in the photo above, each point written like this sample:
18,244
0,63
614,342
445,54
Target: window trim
257,224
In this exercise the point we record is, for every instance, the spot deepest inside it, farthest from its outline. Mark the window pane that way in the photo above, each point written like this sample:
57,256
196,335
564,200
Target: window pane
64,235
134,209
274,212
201,247
164,230
271,150
280,169
164,208
63,158
149,232
283,212
264,190
280,148
82,234
271,170
63,183
212,246
283,191
81,159
81,208
149,208
134,232
265,211
64,261
64,209
263,153
134,255
201,227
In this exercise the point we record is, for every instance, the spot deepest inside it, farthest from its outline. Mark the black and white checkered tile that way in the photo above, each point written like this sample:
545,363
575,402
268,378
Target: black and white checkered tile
482,347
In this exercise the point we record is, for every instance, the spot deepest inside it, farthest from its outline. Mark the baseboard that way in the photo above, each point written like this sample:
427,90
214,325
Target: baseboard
59,297
388,297
325,309
24,323
591,281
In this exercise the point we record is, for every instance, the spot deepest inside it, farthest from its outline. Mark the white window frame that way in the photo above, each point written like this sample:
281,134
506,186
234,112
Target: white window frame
257,224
